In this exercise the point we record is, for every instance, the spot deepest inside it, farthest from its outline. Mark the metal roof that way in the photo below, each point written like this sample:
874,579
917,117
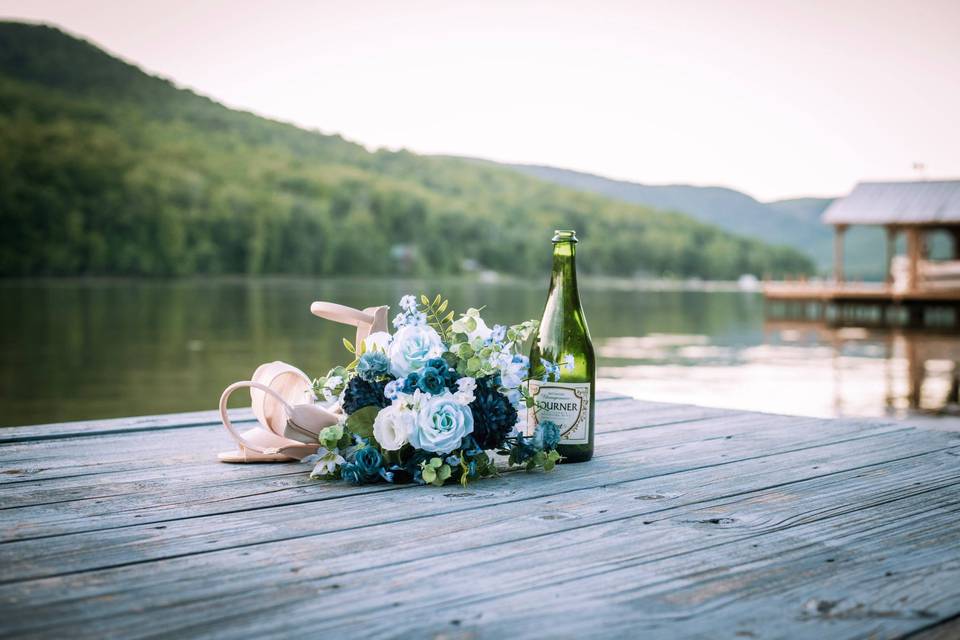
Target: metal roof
922,202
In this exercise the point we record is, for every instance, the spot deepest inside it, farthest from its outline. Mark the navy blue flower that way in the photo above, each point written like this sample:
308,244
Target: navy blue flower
373,365
494,416
431,381
368,462
361,393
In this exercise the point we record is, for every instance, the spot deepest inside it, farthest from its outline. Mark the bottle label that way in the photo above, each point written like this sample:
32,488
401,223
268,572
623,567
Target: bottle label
566,404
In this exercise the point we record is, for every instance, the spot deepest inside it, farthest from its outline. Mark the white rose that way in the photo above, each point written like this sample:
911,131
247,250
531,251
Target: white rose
377,341
392,427
441,424
411,347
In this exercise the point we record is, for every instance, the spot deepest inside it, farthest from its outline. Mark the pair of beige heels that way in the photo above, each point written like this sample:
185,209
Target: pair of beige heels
282,399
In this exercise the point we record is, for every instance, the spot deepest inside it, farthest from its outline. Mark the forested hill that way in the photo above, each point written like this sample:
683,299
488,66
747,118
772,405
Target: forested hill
105,169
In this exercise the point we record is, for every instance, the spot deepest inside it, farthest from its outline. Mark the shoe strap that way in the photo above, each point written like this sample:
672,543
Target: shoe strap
367,321
225,417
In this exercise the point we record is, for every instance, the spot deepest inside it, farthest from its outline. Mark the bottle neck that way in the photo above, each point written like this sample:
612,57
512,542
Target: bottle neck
563,279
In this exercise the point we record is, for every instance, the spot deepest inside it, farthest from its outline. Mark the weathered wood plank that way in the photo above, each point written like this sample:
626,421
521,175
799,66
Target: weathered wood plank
95,428
347,565
159,459
692,443
192,445
688,522
75,553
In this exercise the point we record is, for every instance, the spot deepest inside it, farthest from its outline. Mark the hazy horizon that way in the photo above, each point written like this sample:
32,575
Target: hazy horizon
771,99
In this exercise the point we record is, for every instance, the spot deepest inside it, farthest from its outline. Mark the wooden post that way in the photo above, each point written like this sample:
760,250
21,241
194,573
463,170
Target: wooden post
891,251
913,253
838,252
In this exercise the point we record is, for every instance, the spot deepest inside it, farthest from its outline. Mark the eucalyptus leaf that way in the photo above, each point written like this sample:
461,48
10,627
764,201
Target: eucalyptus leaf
429,474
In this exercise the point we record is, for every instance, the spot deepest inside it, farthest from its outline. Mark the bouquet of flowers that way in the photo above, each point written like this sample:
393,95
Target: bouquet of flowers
429,403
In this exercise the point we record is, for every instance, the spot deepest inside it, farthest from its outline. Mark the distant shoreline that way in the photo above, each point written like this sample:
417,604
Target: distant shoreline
485,278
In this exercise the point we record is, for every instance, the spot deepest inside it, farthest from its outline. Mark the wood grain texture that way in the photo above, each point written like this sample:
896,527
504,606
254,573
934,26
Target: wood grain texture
689,522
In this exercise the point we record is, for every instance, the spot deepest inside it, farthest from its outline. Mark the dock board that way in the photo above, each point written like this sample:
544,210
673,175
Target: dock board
689,522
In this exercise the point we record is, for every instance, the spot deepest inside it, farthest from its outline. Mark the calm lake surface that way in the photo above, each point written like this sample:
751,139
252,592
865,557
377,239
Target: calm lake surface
79,349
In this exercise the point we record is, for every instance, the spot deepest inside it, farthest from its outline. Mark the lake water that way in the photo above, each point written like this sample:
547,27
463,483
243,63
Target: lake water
78,349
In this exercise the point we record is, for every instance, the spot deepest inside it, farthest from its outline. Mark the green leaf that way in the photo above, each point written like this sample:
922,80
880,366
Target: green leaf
449,316
361,421
442,307
424,299
429,474
444,472
435,462
437,300
349,346
549,465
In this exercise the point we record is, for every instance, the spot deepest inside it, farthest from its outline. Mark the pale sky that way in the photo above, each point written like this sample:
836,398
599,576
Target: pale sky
774,98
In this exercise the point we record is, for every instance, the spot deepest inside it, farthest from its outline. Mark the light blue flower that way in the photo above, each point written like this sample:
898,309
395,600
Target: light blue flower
408,303
550,371
441,424
498,333
513,370
392,389
568,362
412,346
373,365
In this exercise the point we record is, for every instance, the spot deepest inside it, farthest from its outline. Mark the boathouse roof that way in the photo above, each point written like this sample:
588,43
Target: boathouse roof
927,202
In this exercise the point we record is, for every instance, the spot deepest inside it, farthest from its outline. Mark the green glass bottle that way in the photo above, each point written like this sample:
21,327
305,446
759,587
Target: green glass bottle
563,340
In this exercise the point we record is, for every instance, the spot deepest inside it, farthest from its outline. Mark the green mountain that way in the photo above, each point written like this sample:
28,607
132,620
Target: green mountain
105,169
794,222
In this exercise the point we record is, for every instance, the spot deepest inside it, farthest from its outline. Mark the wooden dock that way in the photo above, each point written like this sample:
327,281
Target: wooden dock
863,304
689,522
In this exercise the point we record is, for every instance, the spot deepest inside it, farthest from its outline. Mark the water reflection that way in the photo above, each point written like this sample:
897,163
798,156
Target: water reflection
799,368
72,350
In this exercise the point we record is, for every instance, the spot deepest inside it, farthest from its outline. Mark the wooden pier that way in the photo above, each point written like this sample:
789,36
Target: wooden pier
918,291
689,522
846,303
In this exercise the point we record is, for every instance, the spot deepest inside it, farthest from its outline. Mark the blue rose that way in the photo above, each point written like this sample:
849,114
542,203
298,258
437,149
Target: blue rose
412,347
351,473
439,364
410,384
368,462
546,436
431,381
373,365
441,424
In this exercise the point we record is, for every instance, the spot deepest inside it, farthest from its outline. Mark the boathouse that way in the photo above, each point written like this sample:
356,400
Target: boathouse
917,289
